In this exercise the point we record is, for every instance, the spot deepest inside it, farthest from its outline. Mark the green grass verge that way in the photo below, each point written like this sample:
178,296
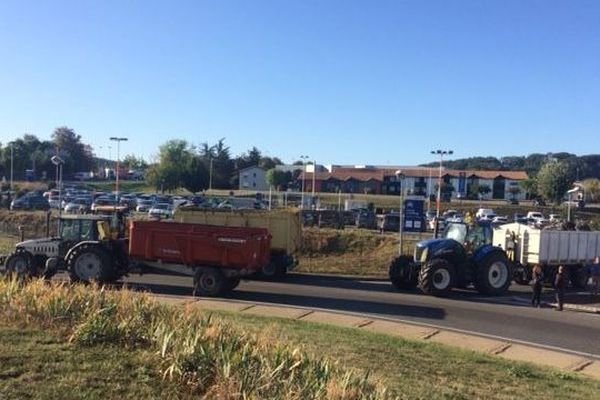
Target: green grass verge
37,364
418,370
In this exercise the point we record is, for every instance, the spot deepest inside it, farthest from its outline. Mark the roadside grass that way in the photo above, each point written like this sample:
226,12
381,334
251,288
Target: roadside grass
7,244
201,353
419,370
37,364
62,344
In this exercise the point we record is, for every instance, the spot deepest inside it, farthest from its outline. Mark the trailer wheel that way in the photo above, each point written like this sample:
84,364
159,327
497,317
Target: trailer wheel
232,283
401,273
90,262
20,264
209,282
276,269
437,277
494,274
579,277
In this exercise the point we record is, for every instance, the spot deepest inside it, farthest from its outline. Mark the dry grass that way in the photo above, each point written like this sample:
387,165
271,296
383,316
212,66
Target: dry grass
351,251
209,357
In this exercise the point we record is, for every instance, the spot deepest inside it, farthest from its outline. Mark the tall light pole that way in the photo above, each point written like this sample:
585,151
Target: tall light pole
56,160
118,140
314,179
400,177
11,166
303,158
441,153
210,175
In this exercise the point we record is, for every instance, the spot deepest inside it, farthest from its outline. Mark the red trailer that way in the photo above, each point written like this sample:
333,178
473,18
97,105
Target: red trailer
218,257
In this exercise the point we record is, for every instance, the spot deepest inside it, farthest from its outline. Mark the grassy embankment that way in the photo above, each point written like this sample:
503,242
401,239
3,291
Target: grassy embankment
63,341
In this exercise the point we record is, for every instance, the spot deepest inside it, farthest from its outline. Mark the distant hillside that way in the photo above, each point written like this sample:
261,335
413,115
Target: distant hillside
583,166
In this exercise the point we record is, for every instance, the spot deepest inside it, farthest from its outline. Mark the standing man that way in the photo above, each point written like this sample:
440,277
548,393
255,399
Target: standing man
537,282
560,283
595,274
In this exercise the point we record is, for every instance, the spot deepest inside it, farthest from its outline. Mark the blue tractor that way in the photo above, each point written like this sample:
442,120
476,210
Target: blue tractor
463,256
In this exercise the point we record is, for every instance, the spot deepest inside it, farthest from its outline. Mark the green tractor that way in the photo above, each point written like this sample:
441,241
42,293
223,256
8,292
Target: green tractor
463,256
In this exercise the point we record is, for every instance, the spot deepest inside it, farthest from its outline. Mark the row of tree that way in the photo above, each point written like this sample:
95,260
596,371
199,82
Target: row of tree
587,166
181,164
31,153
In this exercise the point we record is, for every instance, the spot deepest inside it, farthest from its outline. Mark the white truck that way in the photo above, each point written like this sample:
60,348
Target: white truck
527,246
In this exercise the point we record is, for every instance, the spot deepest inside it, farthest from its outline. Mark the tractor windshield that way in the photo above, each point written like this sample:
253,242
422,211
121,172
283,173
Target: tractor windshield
456,231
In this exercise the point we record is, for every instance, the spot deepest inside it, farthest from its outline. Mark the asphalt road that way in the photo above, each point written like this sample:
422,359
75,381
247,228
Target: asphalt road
508,316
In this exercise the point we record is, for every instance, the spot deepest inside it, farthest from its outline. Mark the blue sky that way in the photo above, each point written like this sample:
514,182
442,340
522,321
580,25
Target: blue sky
364,82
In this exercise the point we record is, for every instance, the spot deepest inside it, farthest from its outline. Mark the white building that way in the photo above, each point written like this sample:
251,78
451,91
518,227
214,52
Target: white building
253,178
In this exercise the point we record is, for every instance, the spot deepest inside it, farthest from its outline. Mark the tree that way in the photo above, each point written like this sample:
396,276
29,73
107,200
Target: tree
195,177
591,188
278,179
132,162
170,171
554,179
77,155
483,190
530,187
514,191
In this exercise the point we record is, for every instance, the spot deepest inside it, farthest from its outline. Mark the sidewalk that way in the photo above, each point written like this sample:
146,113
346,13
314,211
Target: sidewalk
585,364
579,301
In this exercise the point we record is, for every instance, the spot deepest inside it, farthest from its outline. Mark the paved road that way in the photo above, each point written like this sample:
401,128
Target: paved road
508,316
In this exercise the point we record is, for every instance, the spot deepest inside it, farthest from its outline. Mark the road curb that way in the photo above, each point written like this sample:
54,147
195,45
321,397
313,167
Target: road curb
576,307
580,363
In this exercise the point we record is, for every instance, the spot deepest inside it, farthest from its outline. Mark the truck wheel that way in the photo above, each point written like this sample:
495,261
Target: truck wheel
232,283
521,275
437,277
276,269
579,277
494,274
20,264
90,262
402,274
209,282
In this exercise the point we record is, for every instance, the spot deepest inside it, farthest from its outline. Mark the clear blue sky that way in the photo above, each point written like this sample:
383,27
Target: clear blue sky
342,81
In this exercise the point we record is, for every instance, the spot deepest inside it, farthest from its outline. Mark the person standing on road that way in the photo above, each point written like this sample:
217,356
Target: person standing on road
560,283
537,282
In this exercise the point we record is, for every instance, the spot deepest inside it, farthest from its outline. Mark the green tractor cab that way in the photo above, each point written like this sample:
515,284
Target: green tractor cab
463,256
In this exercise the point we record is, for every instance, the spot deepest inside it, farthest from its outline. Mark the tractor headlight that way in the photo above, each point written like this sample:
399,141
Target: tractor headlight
424,254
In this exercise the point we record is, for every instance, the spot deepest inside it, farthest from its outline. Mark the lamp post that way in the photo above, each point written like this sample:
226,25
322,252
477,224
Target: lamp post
441,153
303,158
56,160
400,177
210,169
11,166
118,140
314,179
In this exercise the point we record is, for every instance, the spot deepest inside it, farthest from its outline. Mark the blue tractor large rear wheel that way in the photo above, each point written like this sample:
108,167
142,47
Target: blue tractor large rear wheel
494,274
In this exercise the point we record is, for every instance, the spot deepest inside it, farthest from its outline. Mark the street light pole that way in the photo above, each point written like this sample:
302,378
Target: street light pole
303,158
11,166
400,176
210,169
118,140
441,153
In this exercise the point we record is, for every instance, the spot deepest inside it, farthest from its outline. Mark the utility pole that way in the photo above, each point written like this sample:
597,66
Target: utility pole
303,158
441,153
210,169
11,166
118,140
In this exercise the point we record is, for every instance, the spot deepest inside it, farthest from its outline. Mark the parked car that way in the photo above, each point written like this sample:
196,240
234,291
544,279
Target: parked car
161,210
554,218
499,220
103,201
78,206
485,214
30,201
520,218
366,219
144,205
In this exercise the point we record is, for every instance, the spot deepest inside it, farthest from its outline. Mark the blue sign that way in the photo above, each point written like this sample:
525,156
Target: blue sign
413,215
